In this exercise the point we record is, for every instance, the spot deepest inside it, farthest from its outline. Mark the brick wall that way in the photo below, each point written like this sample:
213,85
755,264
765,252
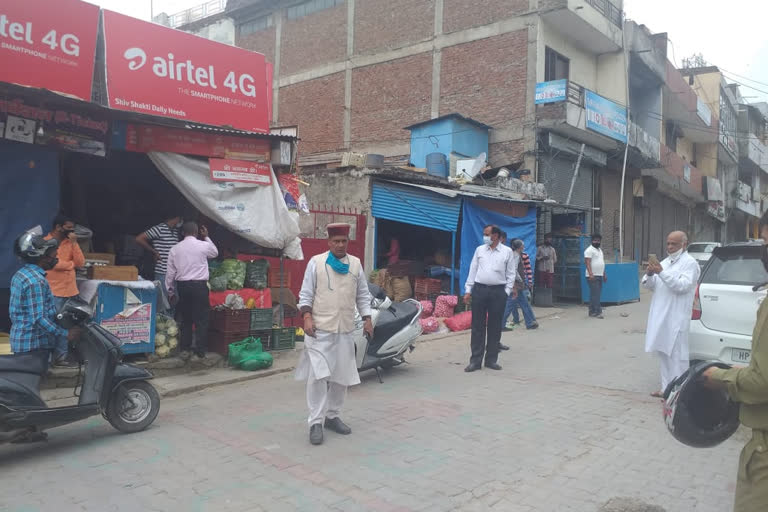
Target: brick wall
505,153
262,41
387,97
486,79
382,25
315,39
462,14
317,106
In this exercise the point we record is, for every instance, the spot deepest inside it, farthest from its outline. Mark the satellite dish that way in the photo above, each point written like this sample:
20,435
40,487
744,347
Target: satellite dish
479,164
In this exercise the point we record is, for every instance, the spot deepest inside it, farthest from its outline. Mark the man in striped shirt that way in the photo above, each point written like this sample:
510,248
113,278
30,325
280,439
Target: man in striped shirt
159,240
523,285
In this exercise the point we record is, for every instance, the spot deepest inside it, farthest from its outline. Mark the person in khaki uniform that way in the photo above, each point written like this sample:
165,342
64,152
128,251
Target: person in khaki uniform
749,386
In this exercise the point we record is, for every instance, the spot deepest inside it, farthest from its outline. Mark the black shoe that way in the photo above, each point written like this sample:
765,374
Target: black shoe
473,367
200,354
534,325
493,366
64,362
316,434
503,346
337,426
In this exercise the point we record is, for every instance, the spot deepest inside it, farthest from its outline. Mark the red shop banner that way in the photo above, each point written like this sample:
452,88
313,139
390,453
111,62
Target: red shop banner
145,138
49,44
165,72
241,172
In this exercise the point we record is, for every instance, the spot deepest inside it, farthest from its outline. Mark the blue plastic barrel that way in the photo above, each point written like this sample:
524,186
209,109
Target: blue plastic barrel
437,165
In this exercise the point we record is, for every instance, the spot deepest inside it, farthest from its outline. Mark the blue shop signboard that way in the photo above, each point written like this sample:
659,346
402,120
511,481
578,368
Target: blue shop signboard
551,92
606,117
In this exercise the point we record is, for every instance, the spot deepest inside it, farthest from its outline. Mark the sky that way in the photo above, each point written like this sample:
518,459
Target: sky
734,39
730,35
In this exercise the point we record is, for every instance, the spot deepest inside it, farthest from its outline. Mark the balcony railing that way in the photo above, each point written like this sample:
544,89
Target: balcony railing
612,12
197,13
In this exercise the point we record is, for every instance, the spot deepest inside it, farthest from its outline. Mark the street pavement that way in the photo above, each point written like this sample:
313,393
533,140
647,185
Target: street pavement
568,425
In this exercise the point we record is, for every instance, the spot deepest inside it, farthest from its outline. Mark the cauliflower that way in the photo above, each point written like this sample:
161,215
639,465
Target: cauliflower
172,330
160,340
173,343
162,351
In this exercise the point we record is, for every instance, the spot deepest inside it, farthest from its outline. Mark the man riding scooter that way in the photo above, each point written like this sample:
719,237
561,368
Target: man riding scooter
32,308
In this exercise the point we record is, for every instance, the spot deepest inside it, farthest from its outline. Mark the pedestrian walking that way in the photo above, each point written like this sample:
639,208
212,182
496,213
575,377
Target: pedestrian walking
523,283
334,290
673,282
596,276
63,278
750,387
546,257
187,281
491,280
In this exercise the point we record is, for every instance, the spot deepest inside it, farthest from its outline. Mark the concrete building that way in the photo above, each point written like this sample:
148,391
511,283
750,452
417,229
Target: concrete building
753,163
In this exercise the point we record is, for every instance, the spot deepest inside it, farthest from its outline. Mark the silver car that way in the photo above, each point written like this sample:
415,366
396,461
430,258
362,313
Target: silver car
702,251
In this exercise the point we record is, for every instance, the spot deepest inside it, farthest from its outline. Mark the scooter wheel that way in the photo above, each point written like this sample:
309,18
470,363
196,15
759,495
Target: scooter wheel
133,406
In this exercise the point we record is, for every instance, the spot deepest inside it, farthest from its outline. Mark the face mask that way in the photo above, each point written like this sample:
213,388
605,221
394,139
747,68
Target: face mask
677,253
596,245
487,240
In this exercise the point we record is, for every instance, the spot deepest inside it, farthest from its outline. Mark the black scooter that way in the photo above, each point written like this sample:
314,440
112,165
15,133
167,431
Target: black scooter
116,390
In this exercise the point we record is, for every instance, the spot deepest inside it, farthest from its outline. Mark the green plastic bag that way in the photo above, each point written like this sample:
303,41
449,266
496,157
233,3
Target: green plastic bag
249,355
260,361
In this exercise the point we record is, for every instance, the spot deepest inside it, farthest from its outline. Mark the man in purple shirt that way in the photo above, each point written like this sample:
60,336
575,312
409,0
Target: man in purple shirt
187,280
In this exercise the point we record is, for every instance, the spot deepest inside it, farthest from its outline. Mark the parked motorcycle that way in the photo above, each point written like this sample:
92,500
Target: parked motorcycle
395,327
116,390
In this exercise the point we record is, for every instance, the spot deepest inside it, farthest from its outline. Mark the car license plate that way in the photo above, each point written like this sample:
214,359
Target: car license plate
740,356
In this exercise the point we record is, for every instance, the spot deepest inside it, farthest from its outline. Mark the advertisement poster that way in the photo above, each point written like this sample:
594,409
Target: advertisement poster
156,70
551,92
145,139
50,45
606,117
239,171
58,129
131,326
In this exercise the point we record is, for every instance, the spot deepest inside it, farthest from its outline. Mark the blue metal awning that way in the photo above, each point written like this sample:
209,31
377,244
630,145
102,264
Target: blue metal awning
416,206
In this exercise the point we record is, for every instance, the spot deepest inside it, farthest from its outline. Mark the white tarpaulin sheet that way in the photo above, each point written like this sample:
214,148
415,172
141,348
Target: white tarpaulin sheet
255,212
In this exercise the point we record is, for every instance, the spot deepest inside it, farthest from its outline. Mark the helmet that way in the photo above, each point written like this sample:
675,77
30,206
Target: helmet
31,246
696,415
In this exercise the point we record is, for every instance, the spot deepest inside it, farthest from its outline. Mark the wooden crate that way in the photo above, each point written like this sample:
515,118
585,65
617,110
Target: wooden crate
100,258
114,273
230,320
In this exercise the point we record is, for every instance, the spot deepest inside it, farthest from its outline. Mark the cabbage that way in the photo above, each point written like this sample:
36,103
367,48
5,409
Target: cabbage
173,343
160,339
235,271
162,351
172,330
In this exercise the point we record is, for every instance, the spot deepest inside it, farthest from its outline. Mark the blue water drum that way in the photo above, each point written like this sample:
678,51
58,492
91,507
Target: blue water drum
437,165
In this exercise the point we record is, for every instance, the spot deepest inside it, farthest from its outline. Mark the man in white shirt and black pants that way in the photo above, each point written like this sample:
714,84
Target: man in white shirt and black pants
491,280
595,263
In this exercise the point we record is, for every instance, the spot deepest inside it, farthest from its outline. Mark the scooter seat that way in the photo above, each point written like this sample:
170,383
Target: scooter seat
391,321
35,362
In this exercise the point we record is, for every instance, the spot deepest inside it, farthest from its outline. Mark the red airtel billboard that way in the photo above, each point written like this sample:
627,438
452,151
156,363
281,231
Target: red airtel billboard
165,72
49,44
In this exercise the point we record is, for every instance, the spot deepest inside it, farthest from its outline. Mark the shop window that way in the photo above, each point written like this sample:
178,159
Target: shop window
298,11
556,66
671,136
256,25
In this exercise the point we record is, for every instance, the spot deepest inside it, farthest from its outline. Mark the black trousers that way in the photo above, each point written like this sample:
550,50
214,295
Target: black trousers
487,302
194,309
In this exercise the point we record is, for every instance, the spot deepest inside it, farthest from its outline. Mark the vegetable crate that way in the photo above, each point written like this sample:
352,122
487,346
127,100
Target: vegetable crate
274,278
219,341
231,320
425,286
265,336
260,319
283,339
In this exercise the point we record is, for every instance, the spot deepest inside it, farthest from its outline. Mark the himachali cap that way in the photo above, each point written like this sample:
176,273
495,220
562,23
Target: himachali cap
338,229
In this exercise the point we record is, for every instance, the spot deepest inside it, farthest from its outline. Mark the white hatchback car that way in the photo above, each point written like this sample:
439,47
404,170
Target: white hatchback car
725,307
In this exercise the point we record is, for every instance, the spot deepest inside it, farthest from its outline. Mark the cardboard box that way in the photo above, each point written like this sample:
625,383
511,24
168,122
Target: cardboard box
114,273
100,258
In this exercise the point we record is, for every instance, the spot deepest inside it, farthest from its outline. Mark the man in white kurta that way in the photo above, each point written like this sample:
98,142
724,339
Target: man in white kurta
673,283
334,290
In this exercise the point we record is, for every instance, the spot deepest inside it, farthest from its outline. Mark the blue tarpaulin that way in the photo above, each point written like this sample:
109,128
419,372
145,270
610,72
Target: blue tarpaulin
29,196
475,218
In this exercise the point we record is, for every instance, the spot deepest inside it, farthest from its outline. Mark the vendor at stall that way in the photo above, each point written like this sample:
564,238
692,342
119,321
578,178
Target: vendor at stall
62,277
159,240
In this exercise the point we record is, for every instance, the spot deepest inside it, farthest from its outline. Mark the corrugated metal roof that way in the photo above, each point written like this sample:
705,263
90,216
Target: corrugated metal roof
416,205
450,116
